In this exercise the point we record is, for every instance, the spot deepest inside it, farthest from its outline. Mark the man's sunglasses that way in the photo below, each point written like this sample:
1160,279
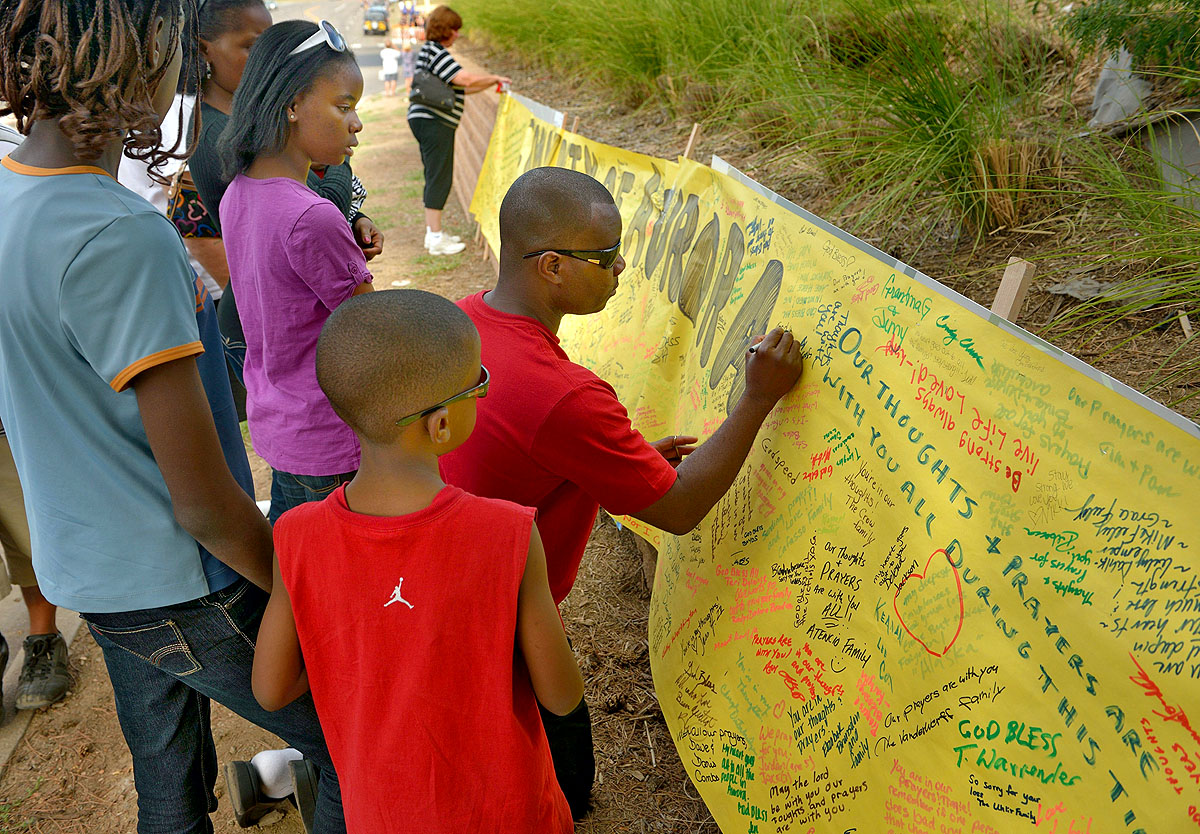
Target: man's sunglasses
603,258
326,34
478,391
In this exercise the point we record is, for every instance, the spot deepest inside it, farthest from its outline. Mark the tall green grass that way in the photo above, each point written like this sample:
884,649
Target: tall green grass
887,96
922,119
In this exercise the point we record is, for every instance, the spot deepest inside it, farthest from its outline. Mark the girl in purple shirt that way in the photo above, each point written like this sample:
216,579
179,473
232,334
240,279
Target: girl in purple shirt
292,258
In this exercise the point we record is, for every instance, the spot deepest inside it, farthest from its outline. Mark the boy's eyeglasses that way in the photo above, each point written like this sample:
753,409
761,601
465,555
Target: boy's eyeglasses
603,258
327,34
478,391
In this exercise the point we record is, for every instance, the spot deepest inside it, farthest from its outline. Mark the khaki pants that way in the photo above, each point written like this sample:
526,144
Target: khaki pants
14,528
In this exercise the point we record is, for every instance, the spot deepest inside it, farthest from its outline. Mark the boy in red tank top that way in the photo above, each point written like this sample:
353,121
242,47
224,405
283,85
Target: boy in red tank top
419,615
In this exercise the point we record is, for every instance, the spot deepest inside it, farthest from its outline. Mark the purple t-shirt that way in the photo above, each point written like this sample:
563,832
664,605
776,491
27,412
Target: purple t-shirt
292,261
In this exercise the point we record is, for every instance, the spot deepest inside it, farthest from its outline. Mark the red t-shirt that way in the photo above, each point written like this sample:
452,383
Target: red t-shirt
408,627
552,435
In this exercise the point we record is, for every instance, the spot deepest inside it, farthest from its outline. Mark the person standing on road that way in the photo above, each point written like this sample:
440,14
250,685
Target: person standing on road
434,129
389,56
114,393
552,435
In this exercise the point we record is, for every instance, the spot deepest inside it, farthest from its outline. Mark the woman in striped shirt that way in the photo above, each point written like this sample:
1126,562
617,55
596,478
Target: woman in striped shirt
434,128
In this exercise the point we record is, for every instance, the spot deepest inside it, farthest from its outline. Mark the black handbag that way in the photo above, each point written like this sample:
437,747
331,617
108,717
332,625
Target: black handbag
429,90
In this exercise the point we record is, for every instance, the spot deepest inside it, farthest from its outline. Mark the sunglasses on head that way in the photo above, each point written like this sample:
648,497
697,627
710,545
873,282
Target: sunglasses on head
326,34
603,258
479,391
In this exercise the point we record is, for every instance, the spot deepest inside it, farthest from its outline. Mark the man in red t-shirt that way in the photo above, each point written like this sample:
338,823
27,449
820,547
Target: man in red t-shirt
552,435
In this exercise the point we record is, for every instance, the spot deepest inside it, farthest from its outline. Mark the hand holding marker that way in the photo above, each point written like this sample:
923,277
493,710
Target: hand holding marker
758,339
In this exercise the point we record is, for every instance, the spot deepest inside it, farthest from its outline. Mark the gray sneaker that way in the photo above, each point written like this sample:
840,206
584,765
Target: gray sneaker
44,675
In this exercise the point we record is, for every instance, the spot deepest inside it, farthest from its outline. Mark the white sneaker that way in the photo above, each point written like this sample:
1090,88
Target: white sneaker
446,246
445,237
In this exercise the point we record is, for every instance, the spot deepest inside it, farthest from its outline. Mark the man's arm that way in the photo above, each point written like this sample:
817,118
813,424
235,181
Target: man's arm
207,501
278,676
555,675
707,473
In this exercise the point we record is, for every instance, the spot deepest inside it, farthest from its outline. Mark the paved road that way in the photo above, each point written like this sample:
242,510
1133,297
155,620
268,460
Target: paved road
347,16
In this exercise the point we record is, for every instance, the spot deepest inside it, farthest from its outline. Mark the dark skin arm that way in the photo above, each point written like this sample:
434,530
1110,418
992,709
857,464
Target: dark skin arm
675,448
278,676
555,675
705,475
367,236
207,501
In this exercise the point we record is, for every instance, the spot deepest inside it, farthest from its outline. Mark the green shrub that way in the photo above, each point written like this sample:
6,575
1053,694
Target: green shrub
947,118
1161,35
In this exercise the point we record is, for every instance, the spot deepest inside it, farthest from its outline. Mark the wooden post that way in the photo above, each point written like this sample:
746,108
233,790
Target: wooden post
1018,275
691,143
575,125
649,554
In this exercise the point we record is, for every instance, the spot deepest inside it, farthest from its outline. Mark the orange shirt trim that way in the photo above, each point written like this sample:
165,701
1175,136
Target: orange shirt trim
33,171
121,381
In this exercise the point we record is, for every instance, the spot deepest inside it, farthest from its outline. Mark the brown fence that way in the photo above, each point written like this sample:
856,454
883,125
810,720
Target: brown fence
470,145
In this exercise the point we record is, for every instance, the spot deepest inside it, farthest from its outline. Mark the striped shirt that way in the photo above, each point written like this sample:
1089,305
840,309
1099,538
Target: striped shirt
437,60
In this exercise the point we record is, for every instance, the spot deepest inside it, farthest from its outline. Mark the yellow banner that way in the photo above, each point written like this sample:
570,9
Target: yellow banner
954,587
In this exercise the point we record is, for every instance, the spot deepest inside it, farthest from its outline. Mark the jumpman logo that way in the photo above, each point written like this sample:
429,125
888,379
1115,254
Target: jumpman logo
396,597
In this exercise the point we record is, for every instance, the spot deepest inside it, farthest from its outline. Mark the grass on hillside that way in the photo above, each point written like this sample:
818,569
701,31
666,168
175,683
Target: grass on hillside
929,124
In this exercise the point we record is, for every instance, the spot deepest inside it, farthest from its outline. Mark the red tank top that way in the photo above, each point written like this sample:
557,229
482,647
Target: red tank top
408,629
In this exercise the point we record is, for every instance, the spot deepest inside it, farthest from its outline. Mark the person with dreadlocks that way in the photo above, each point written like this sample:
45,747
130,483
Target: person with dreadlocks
118,410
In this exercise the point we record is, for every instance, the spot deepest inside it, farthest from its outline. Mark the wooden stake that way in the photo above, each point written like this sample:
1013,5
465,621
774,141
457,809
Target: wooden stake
691,143
575,125
1018,275
1186,324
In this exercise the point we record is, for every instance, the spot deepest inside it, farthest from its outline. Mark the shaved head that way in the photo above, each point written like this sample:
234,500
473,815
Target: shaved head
551,207
384,355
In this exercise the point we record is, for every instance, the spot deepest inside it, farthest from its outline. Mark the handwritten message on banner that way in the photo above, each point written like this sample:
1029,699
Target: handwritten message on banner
956,586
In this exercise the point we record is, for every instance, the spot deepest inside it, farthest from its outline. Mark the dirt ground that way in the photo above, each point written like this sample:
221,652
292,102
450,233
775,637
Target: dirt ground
73,773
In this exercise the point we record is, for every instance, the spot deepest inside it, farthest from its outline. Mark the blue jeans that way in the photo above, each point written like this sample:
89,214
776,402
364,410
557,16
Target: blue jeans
288,490
232,336
165,665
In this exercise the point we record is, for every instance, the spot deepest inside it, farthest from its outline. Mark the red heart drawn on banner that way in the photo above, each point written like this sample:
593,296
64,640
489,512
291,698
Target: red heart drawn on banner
930,597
